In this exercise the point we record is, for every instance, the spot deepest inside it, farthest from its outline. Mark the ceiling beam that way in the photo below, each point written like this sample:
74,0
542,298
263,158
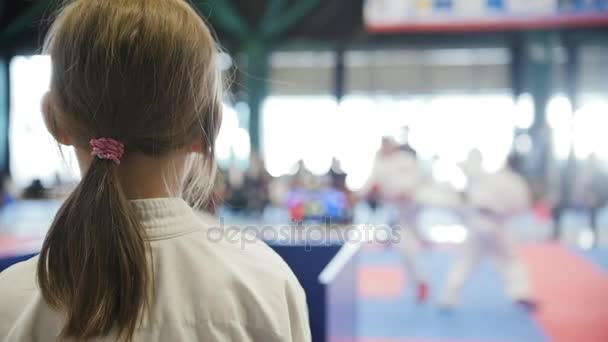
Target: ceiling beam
223,14
273,29
31,16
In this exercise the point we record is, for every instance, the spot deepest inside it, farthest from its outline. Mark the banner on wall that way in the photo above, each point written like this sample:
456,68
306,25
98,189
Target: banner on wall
420,15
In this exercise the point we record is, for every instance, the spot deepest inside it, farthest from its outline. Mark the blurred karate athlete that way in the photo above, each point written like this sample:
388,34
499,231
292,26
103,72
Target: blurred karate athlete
492,199
393,183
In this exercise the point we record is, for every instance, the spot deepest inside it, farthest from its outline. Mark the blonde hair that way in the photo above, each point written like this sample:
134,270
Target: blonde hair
142,72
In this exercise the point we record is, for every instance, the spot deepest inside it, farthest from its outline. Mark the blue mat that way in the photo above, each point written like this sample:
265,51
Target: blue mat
598,257
9,261
485,313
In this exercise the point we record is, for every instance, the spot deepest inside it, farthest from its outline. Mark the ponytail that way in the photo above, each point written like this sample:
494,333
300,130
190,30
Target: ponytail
145,72
92,266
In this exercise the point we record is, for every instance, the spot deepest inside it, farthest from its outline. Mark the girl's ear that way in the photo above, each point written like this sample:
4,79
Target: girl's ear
50,116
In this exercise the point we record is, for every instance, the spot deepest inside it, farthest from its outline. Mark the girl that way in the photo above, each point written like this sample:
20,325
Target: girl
135,90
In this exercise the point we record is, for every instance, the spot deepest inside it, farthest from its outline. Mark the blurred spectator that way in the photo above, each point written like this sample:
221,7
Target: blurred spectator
35,190
218,193
255,185
247,192
588,193
276,211
337,175
6,193
591,189
236,199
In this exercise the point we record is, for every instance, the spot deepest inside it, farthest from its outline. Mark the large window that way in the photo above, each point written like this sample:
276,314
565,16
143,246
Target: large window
593,77
34,154
590,119
581,129
443,128
299,128
233,145
559,119
452,101
300,116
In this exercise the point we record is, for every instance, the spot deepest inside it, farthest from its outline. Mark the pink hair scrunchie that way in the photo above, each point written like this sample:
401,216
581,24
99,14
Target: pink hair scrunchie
107,148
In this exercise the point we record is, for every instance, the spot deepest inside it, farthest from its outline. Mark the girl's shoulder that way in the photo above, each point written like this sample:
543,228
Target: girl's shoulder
17,289
19,277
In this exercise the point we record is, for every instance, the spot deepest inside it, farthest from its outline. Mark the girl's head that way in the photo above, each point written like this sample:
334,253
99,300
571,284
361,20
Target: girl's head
142,72
139,71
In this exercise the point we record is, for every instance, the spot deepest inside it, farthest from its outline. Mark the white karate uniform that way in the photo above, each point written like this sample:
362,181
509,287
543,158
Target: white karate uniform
208,287
492,200
397,176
